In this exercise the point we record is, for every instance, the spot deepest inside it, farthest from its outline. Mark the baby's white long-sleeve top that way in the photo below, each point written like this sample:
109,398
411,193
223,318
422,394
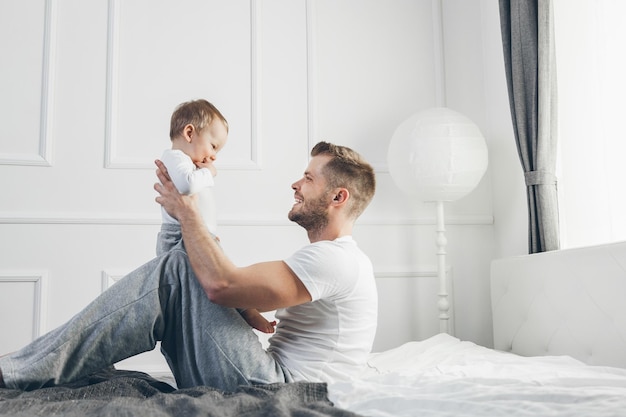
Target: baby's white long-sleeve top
190,179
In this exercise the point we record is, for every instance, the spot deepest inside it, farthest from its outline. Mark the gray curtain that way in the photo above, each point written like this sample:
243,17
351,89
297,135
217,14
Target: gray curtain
528,43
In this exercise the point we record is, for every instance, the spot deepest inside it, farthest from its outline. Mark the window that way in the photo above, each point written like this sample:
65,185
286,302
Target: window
590,39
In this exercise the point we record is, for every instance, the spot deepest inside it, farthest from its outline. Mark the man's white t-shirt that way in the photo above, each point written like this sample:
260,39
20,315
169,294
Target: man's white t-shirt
328,339
189,179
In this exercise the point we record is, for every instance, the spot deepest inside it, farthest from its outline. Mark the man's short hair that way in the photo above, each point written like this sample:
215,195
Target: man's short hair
347,169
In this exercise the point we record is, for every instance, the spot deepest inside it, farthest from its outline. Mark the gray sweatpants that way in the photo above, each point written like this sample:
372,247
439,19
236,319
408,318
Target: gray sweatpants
203,343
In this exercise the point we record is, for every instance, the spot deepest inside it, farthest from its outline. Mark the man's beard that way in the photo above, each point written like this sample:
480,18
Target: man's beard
314,217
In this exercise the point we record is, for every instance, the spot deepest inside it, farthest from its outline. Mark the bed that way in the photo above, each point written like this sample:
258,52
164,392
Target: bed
559,324
560,350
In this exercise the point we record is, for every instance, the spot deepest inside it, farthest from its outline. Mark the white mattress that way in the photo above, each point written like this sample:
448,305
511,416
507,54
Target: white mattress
443,376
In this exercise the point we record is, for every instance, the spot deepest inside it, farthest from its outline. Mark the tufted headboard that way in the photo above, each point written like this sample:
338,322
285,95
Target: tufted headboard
566,302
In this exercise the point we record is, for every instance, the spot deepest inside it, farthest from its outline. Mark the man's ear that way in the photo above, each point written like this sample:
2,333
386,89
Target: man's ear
188,131
341,196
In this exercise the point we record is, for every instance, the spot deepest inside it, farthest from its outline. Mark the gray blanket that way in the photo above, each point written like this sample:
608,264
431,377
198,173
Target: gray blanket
117,393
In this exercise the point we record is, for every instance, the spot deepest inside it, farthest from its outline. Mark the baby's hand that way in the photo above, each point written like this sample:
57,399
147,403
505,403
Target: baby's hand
207,163
256,320
265,326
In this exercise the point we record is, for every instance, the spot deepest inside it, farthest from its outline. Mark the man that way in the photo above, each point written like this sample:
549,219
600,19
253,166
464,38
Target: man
324,294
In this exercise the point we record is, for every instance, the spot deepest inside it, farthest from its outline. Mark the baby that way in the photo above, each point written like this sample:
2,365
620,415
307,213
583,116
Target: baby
198,132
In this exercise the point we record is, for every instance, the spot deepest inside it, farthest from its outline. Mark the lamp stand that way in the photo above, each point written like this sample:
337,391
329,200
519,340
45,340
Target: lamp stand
443,303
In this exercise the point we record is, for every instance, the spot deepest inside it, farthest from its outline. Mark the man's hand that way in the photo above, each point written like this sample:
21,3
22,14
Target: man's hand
172,201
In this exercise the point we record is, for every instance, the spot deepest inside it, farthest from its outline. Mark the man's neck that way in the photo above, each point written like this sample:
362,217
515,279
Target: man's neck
329,233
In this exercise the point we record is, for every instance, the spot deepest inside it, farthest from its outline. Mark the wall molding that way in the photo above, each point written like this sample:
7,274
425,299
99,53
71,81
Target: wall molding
40,294
424,271
311,77
44,155
439,54
312,82
79,218
430,273
255,91
112,160
149,219
111,276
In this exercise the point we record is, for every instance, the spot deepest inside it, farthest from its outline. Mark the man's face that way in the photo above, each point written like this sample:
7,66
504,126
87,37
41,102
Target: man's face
310,209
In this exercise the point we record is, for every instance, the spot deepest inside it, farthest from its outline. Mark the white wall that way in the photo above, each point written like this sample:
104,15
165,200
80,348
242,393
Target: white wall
85,107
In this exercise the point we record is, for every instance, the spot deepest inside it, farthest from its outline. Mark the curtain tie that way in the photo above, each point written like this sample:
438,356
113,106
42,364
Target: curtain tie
539,178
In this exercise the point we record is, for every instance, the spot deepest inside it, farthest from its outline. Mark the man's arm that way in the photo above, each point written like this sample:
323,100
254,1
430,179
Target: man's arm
265,286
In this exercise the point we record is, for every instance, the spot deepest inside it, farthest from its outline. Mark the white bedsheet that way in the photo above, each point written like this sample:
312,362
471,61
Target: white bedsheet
443,376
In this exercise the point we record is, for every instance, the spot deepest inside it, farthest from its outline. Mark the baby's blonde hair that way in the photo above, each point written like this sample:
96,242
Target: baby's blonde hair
199,113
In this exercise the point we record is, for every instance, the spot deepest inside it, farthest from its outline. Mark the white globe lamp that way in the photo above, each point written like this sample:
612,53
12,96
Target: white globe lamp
438,155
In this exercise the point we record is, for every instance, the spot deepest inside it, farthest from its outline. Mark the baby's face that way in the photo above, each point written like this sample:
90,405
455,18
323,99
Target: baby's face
207,142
